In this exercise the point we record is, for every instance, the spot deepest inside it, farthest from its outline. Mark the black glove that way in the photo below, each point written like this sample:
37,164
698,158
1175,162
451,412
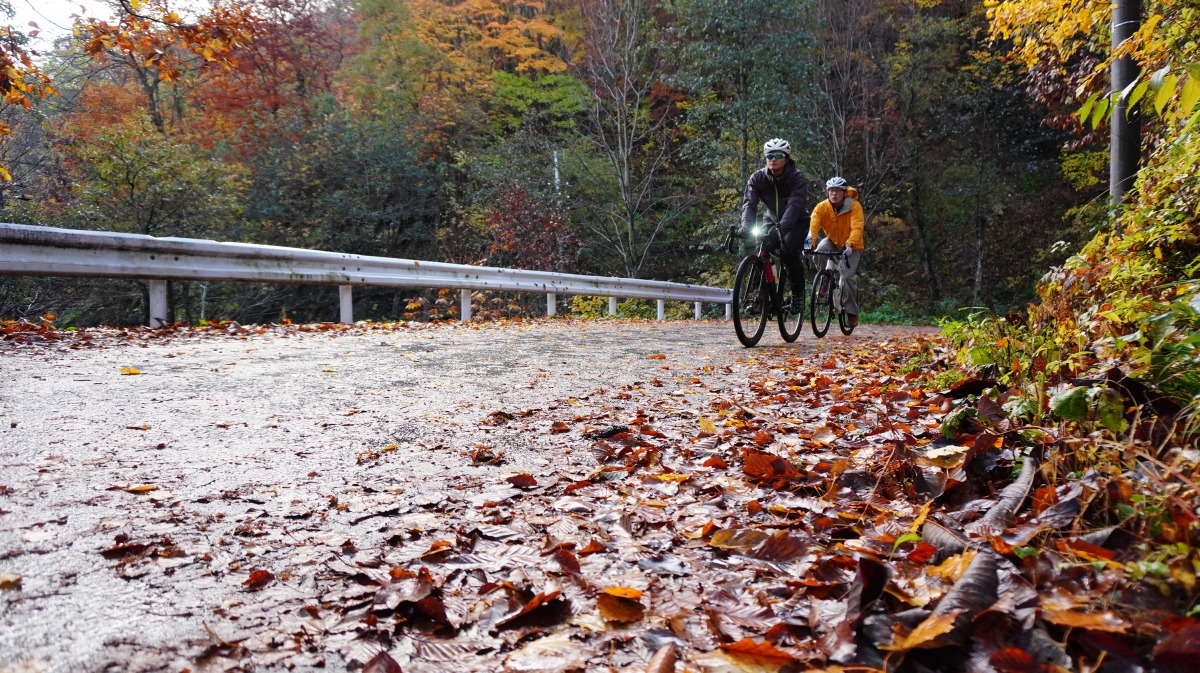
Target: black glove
770,240
735,231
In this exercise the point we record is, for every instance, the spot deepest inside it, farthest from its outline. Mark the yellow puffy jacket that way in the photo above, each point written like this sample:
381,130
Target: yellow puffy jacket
842,227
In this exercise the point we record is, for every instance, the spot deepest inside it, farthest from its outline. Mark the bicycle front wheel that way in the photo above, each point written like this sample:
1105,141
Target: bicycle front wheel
751,300
791,304
821,311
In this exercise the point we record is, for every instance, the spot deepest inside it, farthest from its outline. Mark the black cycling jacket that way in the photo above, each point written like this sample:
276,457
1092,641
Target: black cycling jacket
784,197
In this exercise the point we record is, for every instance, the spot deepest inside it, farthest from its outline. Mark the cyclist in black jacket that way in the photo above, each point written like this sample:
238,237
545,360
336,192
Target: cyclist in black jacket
781,187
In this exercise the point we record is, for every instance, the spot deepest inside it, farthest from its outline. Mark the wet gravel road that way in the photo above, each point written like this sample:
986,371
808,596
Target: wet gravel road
180,444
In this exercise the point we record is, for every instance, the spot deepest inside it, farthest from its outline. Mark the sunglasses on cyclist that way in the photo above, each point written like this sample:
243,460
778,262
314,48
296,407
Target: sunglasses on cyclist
776,155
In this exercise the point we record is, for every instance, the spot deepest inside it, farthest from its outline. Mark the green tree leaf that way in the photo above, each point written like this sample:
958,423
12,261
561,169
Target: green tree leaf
1070,404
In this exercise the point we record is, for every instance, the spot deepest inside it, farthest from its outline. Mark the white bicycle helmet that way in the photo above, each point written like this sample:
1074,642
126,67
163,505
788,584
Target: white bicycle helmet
839,183
777,145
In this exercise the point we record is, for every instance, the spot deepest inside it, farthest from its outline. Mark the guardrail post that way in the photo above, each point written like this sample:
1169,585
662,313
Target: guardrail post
465,304
697,310
612,305
346,294
158,303
551,305
662,310
728,311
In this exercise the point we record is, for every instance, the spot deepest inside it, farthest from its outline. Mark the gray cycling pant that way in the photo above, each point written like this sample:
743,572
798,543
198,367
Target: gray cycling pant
849,275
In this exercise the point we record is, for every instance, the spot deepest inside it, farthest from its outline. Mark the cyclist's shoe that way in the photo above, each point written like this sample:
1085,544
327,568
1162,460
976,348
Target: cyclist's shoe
797,306
851,320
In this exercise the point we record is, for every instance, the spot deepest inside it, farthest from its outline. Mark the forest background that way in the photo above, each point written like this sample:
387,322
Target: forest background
608,137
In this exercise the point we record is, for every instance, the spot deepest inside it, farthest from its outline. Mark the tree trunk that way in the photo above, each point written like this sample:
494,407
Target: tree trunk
916,219
1125,141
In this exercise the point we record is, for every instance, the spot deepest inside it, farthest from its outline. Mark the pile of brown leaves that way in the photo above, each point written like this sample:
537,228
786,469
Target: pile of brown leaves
815,520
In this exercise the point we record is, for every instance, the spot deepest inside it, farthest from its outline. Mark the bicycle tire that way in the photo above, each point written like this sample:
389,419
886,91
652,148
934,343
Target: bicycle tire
821,311
791,305
751,301
843,323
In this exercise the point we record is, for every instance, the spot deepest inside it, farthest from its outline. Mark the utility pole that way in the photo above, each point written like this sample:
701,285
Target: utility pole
1125,143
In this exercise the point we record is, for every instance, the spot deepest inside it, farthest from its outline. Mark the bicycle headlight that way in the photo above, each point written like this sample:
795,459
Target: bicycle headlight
755,232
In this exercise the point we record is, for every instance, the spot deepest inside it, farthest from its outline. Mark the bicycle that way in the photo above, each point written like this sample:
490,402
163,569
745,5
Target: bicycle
761,287
827,293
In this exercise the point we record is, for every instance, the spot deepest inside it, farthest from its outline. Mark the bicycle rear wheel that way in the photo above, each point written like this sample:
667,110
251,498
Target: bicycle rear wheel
791,305
821,313
751,300
844,323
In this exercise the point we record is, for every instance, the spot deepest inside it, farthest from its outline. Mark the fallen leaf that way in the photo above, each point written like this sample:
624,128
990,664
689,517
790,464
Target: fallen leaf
593,547
558,427
539,603
10,582
130,371
767,466
522,480
567,561
620,604
382,663
1095,621
120,550
753,650
141,488
738,539
258,579
657,356
933,626
663,660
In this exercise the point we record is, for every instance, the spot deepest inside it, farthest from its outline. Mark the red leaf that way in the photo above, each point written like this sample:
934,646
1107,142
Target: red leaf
1013,660
122,550
522,480
258,579
567,561
382,663
922,553
593,547
1180,650
767,466
750,649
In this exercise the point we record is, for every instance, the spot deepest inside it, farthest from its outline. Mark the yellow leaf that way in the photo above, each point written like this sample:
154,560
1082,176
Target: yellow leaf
953,567
142,488
130,371
707,426
1095,621
624,592
948,457
932,627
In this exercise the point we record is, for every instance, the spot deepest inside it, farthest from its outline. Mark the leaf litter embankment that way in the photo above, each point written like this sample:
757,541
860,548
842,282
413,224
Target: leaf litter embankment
530,497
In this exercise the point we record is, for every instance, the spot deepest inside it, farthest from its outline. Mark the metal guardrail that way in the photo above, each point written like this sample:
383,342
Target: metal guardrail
27,250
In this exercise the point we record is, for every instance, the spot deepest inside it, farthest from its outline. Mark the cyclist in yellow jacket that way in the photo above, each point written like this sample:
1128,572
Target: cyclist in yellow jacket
841,218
